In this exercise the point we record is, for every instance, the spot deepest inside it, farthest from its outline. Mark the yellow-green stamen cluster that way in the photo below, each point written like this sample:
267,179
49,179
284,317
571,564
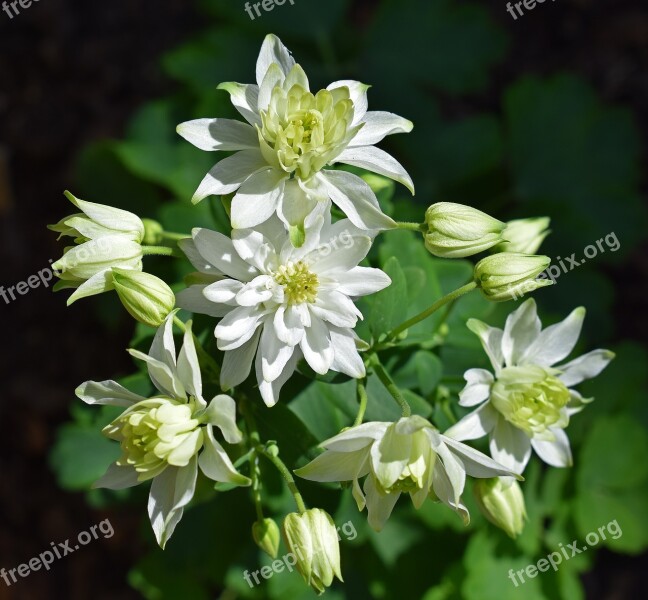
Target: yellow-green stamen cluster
300,285
531,398
157,433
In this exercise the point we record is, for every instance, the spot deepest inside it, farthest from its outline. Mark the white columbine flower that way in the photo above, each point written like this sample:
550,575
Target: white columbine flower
409,456
290,137
106,237
166,438
289,302
528,403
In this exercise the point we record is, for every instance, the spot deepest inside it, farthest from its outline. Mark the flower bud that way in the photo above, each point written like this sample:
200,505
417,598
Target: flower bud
146,297
501,501
456,231
313,540
507,276
524,235
266,536
152,232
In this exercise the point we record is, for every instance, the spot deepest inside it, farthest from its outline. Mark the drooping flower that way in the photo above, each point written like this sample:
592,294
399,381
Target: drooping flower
409,456
527,404
106,237
457,231
167,437
313,540
290,137
288,302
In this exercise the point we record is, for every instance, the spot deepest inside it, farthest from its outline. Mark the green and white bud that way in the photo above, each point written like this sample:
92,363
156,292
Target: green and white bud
501,501
152,232
524,236
146,297
266,536
105,237
508,276
457,231
533,399
157,433
313,540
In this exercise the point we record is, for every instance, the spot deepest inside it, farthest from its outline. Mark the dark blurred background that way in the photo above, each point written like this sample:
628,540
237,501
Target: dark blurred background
73,73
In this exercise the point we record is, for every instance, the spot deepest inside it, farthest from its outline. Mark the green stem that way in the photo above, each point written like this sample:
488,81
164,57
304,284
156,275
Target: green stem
161,251
286,474
420,227
391,387
394,333
207,361
170,235
362,400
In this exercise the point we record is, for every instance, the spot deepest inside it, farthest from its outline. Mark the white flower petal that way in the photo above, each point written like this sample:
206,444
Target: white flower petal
245,99
237,327
378,161
474,462
474,425
347,359
521,329
163,346
336,466
219,134
161,375
220,252
238,362
121,221
108,393
257,199
194,300
341,260
358,94
445,492
335,308
556,453
491,339
477,388
356,199
117,478
221,413
188,246
273,77
557,341
259,290
229,174
270,390
188,366
510,446
379,506
273,52
316,346
215,463
453,468
585,367
97,284
378,125
362,281
287,324
274,353
171,491
223,292
357,437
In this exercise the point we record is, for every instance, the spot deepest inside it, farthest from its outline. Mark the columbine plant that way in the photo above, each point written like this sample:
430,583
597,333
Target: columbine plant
280,289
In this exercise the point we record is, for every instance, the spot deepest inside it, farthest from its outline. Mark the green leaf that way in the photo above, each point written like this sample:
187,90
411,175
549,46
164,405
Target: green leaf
389,307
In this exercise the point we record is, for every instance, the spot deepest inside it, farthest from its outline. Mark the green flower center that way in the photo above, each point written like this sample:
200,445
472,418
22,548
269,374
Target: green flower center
156,433
299,284
302,131
531,398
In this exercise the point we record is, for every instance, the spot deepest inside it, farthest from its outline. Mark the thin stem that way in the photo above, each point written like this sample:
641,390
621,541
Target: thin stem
394,333
391,387
445,407
286,474
161,251
170,235
362,400
420,227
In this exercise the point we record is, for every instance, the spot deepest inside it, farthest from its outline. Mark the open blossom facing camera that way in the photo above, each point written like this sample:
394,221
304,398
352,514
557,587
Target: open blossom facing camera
528,403
166,438
289,302
409,456
291,135
106,237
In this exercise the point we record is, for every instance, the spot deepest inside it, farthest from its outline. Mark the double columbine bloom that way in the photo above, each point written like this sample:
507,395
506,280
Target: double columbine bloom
105,237
168,437
289,303
290,137
409,456
528,402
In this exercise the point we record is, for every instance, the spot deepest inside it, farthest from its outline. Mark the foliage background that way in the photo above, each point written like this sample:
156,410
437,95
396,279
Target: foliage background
543,115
